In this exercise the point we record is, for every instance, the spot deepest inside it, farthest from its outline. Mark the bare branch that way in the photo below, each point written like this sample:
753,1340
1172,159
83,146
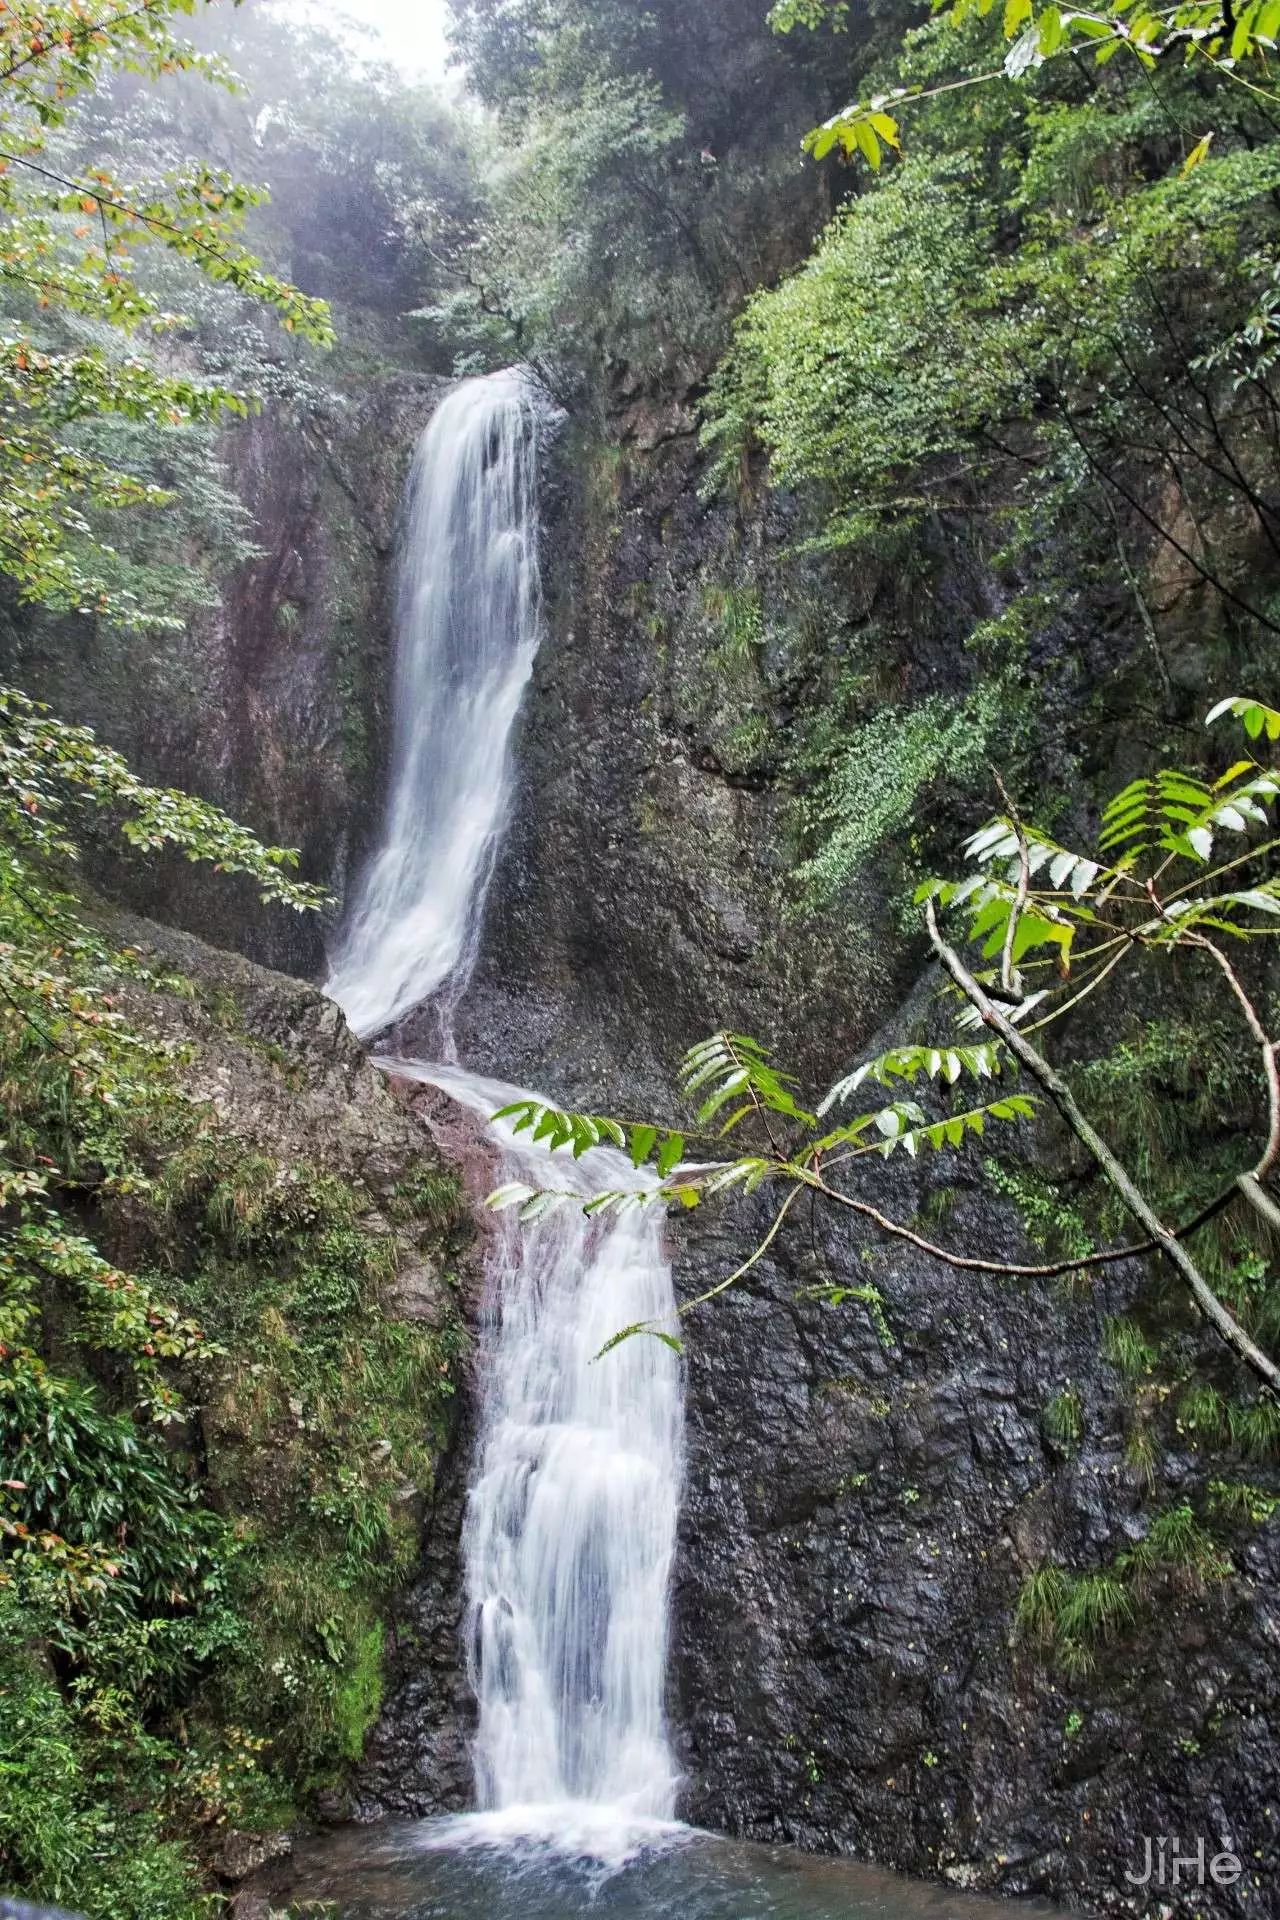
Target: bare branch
1012,1269
1267,1047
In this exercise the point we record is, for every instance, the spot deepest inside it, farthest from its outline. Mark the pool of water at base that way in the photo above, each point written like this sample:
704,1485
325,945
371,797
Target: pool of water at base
476,1868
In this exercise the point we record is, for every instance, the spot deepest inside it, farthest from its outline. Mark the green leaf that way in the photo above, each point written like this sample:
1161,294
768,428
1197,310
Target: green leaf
1254,717
1052,32
1199,152
867,143
514,1194
1242,36
615,1340
643,1139
670,1154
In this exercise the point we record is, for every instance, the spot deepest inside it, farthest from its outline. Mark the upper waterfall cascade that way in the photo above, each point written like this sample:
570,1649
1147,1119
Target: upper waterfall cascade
467,629
572,1508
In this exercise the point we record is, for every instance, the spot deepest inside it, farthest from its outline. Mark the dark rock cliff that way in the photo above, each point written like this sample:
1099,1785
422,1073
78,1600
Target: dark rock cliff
859,1514
857,1523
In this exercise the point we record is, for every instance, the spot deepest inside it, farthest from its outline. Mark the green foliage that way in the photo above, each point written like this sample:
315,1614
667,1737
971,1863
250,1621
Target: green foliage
863,1295
996,342
1252,715
1201,32
633,171
874,782
236,1655
215,1443
52,774
906,1063
1070,1615
75,228
65,1835
359,1694
1050,1221
1177,1543
733,1070
1240,1500
1248,1427
428,1193
1126,1347
1141,1450
1062,1418
1132,894
739,620
867,363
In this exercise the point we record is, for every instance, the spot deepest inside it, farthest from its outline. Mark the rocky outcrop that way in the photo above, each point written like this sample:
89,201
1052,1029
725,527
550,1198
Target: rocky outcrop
860,1513
859,1518
642,891
418,1759
273,703
281,1071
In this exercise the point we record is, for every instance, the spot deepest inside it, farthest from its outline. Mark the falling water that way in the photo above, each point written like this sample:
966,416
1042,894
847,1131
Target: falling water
571,1514
467,626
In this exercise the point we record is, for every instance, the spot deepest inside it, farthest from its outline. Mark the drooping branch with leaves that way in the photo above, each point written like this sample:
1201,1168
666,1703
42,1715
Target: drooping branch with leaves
1182,868
1229,41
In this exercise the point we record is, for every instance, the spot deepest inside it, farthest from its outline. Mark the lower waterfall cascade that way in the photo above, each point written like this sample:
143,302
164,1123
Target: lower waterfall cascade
571,1512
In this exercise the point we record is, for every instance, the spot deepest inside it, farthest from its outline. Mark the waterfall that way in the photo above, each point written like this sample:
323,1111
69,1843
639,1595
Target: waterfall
466,632
571,1512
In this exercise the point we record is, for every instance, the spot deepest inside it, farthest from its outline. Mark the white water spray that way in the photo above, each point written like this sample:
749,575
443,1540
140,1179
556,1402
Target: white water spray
571,1515
467,628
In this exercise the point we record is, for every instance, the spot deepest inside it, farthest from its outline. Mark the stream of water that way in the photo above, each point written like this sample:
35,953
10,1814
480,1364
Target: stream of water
466,632
571,1511
572,1505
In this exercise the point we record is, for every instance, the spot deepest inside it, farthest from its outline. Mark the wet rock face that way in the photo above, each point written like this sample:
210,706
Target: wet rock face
858,1517
418,1760
858,1520
640,891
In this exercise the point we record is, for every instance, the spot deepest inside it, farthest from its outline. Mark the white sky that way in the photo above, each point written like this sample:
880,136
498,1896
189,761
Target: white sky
412,32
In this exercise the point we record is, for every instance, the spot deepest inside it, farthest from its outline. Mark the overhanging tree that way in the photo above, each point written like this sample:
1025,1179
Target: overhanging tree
1183,869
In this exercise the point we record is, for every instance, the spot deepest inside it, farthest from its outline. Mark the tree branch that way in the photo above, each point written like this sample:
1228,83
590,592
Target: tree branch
1223,1323
1012,1269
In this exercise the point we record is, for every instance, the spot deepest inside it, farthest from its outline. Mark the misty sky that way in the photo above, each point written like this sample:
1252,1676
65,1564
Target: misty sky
412,31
